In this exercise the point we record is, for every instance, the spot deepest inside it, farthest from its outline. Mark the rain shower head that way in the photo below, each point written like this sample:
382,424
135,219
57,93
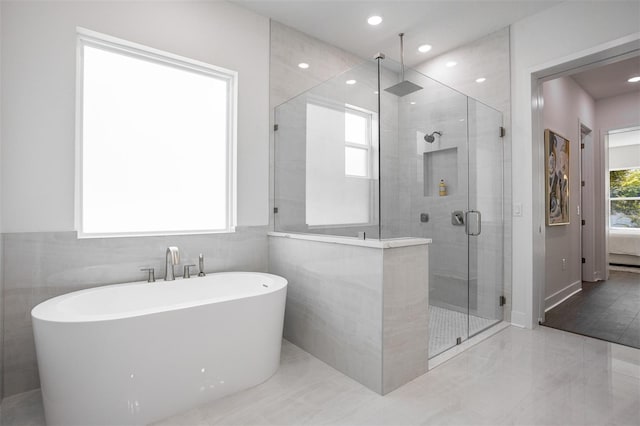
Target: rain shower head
431,138
405,87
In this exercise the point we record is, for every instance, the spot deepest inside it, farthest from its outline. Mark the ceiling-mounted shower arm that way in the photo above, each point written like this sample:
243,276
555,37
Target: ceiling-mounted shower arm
401,56
404,87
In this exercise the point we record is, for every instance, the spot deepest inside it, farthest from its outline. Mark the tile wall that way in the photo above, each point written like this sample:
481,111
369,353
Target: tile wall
487,57
362,310
41,265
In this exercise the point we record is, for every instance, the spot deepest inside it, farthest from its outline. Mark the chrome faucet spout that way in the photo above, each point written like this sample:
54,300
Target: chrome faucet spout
172,258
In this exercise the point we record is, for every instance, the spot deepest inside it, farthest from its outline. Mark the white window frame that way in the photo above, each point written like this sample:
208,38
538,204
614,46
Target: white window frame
371,175
620,228
85,37
368,146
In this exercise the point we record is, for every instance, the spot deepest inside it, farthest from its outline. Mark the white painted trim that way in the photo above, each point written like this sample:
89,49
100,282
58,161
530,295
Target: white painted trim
585,59
353,241
519,319
85,37
560,296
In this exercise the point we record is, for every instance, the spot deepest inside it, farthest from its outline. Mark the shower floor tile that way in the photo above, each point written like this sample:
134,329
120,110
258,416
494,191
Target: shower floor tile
445,326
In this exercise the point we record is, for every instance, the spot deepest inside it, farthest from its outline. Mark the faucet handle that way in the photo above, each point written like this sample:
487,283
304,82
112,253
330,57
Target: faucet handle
187,271
201,263
151,278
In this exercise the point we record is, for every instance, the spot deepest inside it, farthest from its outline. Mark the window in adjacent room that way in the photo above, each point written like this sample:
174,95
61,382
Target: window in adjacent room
624,179
156,137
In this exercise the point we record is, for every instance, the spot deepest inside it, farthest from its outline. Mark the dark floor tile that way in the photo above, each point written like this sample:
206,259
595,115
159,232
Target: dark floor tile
606,310
631,336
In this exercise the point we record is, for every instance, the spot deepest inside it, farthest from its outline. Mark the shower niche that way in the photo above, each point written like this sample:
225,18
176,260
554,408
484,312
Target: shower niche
440,164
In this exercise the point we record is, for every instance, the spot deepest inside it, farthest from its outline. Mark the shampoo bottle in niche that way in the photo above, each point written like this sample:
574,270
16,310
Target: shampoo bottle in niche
442,188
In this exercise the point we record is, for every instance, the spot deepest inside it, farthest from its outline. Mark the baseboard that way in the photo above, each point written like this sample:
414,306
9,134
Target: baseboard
560,296
519,319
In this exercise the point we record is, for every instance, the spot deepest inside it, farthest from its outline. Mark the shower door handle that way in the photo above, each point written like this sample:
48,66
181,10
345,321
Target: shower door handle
473,223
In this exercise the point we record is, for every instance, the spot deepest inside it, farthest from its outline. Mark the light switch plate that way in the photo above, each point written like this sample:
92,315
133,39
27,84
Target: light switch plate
517,209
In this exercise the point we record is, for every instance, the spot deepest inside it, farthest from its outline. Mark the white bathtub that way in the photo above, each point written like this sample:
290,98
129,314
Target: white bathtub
139,352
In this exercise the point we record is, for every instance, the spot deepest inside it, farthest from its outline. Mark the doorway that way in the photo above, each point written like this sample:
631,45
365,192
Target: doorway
585,297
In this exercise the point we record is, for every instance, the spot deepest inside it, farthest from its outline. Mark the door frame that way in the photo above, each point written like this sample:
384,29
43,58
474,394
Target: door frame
608,53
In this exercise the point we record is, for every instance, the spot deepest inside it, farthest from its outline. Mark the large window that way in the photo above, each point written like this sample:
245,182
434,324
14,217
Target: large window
624,178
624,198
156,141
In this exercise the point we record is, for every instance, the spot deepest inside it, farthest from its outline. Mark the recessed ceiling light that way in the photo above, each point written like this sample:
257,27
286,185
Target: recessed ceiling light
451,64
424,48
412,102
374,20
303,65
634,79
480,80
350,82
375,93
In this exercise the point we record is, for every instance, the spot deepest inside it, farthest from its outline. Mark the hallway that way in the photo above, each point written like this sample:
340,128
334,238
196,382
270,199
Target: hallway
607,310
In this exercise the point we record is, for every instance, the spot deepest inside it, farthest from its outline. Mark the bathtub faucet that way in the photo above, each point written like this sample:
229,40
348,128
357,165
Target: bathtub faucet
172,258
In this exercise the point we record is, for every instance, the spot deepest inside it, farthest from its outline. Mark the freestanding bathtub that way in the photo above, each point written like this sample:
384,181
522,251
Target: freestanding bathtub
130,354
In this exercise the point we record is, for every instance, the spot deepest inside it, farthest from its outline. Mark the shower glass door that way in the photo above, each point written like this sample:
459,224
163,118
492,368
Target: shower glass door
441,178
485,217
425,192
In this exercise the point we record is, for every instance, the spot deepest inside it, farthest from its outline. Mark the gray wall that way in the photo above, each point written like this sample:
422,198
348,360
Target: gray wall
42,265
535,46
486,57
42,257
289,47
566,104
1,244
402,192
362,310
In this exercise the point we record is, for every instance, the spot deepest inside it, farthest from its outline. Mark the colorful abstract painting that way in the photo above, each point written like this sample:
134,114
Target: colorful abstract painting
557,177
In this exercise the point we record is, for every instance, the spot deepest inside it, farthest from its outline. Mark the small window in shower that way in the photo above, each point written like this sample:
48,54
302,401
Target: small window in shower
357,135
339,164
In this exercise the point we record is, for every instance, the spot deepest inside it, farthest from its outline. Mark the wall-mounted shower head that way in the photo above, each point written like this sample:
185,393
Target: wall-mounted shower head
431,138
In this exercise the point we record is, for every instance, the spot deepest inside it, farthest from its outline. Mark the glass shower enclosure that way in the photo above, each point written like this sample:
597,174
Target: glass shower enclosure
355,160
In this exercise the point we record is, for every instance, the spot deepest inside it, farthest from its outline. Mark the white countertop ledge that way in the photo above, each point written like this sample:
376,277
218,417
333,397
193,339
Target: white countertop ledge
352,241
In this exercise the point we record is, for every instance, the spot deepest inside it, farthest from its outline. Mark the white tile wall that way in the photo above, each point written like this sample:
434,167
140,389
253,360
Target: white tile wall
41,265
361,310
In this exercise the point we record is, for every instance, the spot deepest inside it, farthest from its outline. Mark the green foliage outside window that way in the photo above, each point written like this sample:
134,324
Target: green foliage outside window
625,213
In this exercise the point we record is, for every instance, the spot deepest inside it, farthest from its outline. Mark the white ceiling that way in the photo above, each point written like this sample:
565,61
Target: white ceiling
610,80
443,24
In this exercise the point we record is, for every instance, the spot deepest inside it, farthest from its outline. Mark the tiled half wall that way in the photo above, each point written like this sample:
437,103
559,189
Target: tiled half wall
362,310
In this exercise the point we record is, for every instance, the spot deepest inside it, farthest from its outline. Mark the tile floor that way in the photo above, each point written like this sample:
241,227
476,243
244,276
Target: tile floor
446,325
608,310
516,377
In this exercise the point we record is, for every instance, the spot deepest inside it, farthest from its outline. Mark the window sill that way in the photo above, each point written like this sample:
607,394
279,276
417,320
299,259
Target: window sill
628,231
81,235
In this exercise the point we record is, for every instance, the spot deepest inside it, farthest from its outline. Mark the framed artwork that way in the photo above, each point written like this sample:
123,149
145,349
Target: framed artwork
556,148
